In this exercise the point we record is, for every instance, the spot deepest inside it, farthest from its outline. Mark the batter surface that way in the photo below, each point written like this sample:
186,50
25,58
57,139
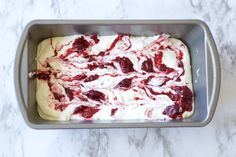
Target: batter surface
113,77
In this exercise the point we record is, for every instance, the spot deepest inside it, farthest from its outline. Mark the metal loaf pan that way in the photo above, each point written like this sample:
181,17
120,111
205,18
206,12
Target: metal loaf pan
195,33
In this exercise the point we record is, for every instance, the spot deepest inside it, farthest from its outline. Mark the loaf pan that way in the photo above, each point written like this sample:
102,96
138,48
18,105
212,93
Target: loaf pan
195,33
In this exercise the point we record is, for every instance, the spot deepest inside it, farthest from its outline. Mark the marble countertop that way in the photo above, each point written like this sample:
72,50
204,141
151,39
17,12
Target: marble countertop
216,139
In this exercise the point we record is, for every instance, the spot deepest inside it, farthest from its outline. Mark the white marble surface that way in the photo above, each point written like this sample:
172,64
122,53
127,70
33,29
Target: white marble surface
216,139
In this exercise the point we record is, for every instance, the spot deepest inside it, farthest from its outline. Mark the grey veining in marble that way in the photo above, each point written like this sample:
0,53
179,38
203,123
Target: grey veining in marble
216,139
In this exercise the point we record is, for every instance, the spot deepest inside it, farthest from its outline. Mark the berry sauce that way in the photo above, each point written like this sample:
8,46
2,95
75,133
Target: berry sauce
125,64
113,44
86,111
147,65
113,111
125,83
95,95
182,97
69,93
95,38
61,107
42,75
91,78
80,44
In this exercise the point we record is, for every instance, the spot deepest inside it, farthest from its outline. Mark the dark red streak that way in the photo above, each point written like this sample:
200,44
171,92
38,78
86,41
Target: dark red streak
86,111
95,95
69,93
182,98
161,47
42,75
118,38
99,65
77,78
180,63
130,44
145,81
95,38
137,98
61,107
165,69
180,55
125,64
79,45
113,111
169,47
158,58
124,84
147,65
112,75
82,98
165,81
78,94
58,96
91,78
145,90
